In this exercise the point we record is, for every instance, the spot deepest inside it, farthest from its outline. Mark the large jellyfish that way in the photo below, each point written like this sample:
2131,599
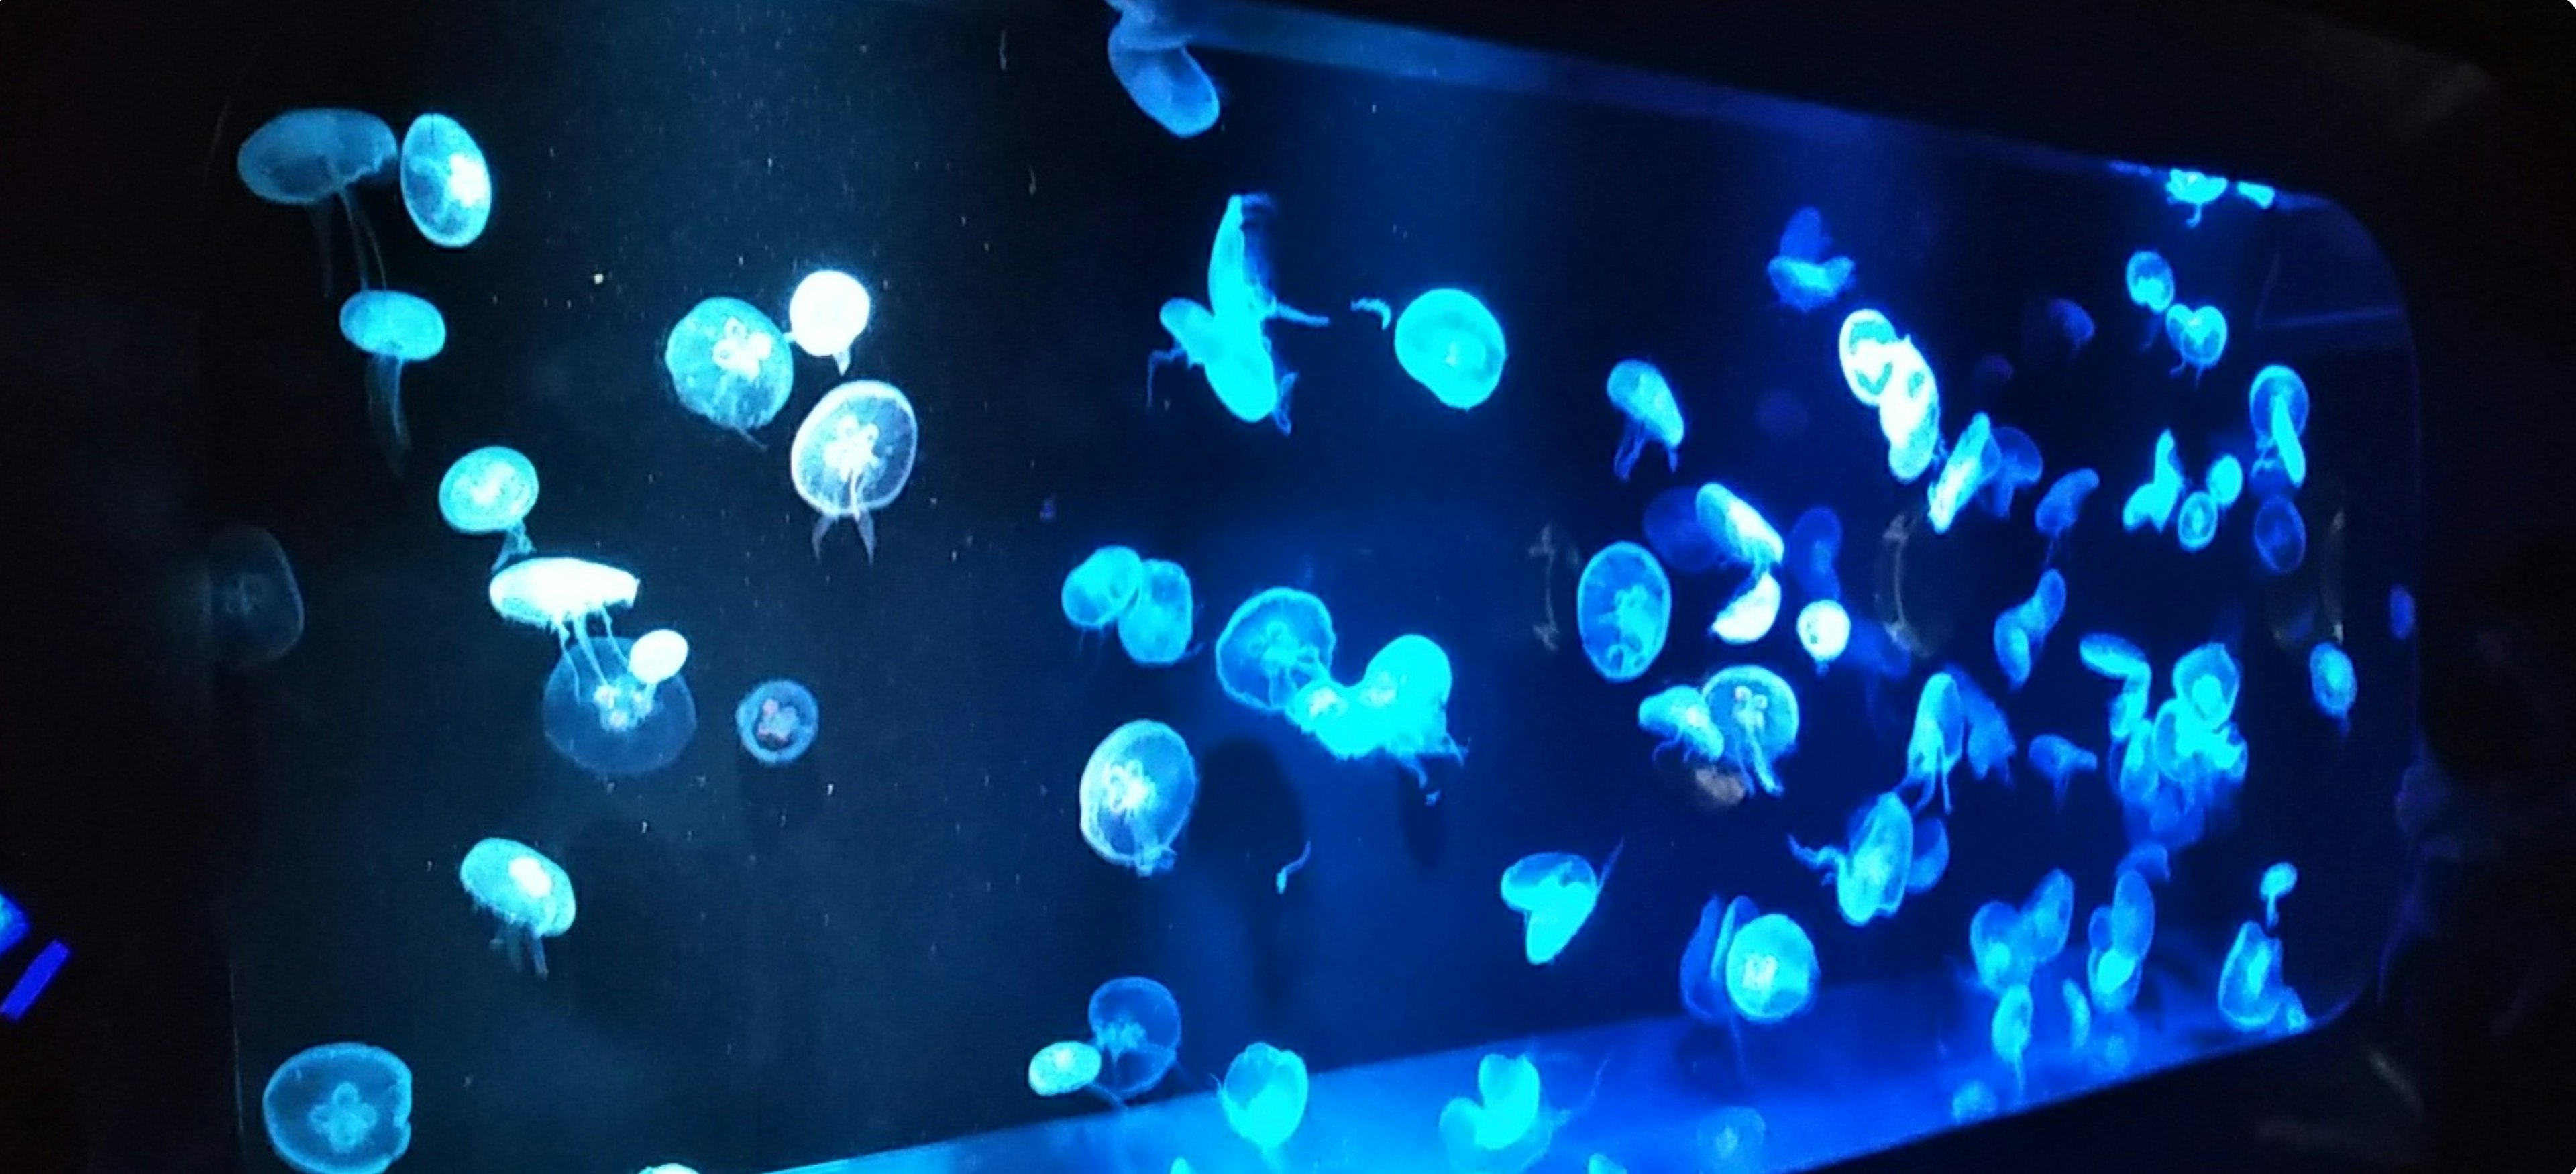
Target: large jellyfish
777,721
2276,404
2022,629
1155,630
1801,273
853,455
2008,945
1869,874
304,157
528,894
1505,1127
2280,535
1136,794
1759,714
1623,607
1264,1095
393,329
256,612
1067,1066
560,595
1643,397
827,314
1824,631
614,713
1101,587
729,364
490,491
1554,892
1277,642
2278,881
1150,58
2332,683
2153,503
2151,281
1815,541
1450,343
2199,336
1331,713
2195,190
2060,760
2250,993
1973,462
2061,505
339,1109
446,184
1749,616
1136,1024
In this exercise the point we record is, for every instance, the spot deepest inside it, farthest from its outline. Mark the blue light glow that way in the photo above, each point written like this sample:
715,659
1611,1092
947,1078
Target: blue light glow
1136,1024
527,893
1101,587
1136,794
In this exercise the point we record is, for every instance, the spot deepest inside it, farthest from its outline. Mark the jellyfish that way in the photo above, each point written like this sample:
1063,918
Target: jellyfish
729,364
256,611
2018,466
1623,607
1743,535
2151,281
1973,462
2113,657
1703,979
1264,1095
1973,1101
1277,642
1450,343
1679,715
1989,740
1155,631
490,491
1235,356
2059,760
1748,617
613,716
339,1109
1937,740
1770,969
2118,937
2280,535
2331,682
561,595
2249,981
1136,1024
1603,1164
2153,503
304,157
2278,880
1640,393
1405,690
2196,521
1759,714
2071,323
393,329
1239,289
2008,945
1136,794
1909,414
2207,680
1824,631
1801,273
853,455
2009,1032
2195,189
2059,507
523,890
1554,892
2022,629
827,314
1863,344
1330,712
777,721
2276,405
1675,534
1064,1067
1869,874
1931,855
2401,612
1815,541
2226,480
2079,1014
1101,587
1504,1127
446,184
2261,195
2199,336
1732,1140
1166,83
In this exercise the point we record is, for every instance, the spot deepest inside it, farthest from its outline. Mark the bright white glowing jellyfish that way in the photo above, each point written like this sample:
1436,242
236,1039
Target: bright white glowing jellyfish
1749,616
605,716
1758,712
2018,466
305,158
1226,338
1065,1067
1330,713
1505,1127
2199,336
2278,881
393,329
1861,345
853,455
2153,503
1679,715
2276,404
2225,480
1450,343
1277,642
2194,189
446,184
560,595
2021,630
1151,63
1770,969
777,721
2401,612
2150,281
1155,630
2332,683
255,612
2009,1032
1909,414
1824,631
2061,505
1868,875
1101,587
2280,535
528,894
1264,1095
339,1109
2249,981
490,491
1744,537
2060,760
658,656
1554,892
1801,273
2207,681
1815,541
1406,690
1623,607
2118,937
2196,521
1136,1024
729,364
827,314
1136,794
1646,401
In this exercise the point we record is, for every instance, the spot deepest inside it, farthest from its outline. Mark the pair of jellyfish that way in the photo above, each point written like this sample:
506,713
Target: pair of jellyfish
254,609
2332,684
2008,945
1399,708
1650,414
2117,937
1149,601
1742,963
1887,372
490,491
614,707
827,313
393,329
777,721
1135,1041
342,1108
2195,190
853,455
1954,720
1885,856
1227,339
2276,405
1505,1127
1802,273
2198,335
1448,342
1135,795
1623,607
2059,760
1743,537
1275,644
2251,995
1555,893
1149,55
2021,631
1264,1095
528,894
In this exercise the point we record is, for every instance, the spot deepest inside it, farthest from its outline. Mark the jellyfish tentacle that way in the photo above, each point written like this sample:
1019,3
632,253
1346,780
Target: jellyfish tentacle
384,403
1632,444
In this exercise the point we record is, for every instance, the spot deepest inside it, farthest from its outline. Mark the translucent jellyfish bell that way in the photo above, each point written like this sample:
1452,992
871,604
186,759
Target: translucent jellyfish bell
1136,1024
2151,281
1623,609
446,183
1063,1067
1276,643
1264,1095
2153,503
2196,521
1679,715
2021,631
305,158
2207,681
2195,190
1155,631
2009,1032
853,455
2225,479
523,890
1801,273
1973,462
1167,84
1862,344
1759,714
1235,356
777,721
255,610
339,1109
1239,285
1744,535
2331,682
658,656
2249,981
1406,692
827,314
1503,1128
1642,396
1554,892
2278,881
729,364
1136,794
2062,504
2276,405
1869,873
393,329
1824,631
1450,343
1815,541
2060,760
560,594
2018,466
1101,587
2199,336
490,491
2280,535
605,718
1770,969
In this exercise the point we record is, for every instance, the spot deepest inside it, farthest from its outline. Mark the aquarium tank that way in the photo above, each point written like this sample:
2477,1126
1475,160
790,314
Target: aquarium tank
1161,586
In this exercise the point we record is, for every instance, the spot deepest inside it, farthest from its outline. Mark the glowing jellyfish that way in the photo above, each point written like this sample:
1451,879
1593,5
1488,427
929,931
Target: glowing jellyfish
1155,631
1824,631
777,721
2151,281
339,1109
1989,743
1679,715
1863,346
1869,873
561,595
1065,1067
2071,323
1931,855
1973,1101
1937,740
1239,289
1909,414
2280,535
1801,273
2008,945
1749,616
1405,690
2196,521
2261,195
255,610
1554,892
1330,712
1136,1024
1450,343
528,894
2226,480
729,364
2118,937
1264,1095
1136,794
1743,535
2194,189
1642,396
2079,1014
1815,541
2113,657
1101,587
2062,504
2060,760
1770,969
1973,462
2331,682
2207,681
2018,466
1278,642
1623,608
1703,977
2249,981
2199,336
2008,1033
490,491
1759,714
2021,630
1504,1127
611,717
446,184
1235,356
2276,405
853,455
1167,84
2401,612
304,157
2153,503
2278,881
827,314
1603,1164
393,329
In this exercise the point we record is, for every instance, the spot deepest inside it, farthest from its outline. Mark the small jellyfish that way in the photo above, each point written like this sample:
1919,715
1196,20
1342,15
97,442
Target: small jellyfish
1937,740
1679,715
339,1109
1642,396
1554,892
1155,631
2008,1033
2199,336
1815,541
2153,503
2196,521
490,491
446,183
1703,976
1450,343
1136,794
2261,195
1863,344
1824,631
1330,712
1101,587
1064,1067
2195,189
1264,1095
1278,642
729,364
1870,872
1136,1024
1973,462
1405,690
2021,630
1989,741
2113,657
1743,535
2151,281
1931,854
2280,535
256,611
2061,505
827,314
853,455
2276,405
2071,323
2226,480
1234,355
2207,680
1758,712
2249,981
2401,612
2331,682
2079,1014
1909,414
1602,1164
1732,1140
1770,969
612,717
2278,880
523,890
1749,616
2118,937
1973,1101
2018,466
393,329
1675,534
1801,273
2059,760
1167,84
1504,1127
1623,608
777,721
303,158
1239,288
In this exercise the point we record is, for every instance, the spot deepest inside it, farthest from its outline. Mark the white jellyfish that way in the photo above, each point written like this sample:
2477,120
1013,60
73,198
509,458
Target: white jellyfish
827,314
1136,794
853,455
528,894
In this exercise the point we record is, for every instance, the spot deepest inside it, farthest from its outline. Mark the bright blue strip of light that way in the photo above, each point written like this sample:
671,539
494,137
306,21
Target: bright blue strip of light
32,983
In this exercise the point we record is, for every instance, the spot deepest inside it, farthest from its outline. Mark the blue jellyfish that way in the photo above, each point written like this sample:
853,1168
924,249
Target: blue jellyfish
1863,344
1264,1095
255,610
1155,631
393,329
528,894
2249,981
2113,657
1743,535
2059,760
1603,1164
1331,713
2079,1014
1759,714
1973,462
304,157
2225,480
2276,404
1278,642
2199,337
490,491
1450,343
2009,1031
2151,281
1937,740
2401,612
777,721
2196,521
827,314
1770,969
2280,535
339,1109
1136,1024
1226,338
1989,741
1703,977
1067,1066
2194,189
1101,587
1731,1140
2022,629
1623,607
1909,414
2206,680
1749,615
446,184
1973,1101
1931,854
1642,396
1679,715
1815,541
2278,881
2071,323
1162,78
853,455
1554,892
2331,682
612,716
1801,273
2153,503
2261,195
2018,466
2008,945
1870,873
1674,533
2060,506
729,364
1136,794
1824,631
1504,1128
1405,690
